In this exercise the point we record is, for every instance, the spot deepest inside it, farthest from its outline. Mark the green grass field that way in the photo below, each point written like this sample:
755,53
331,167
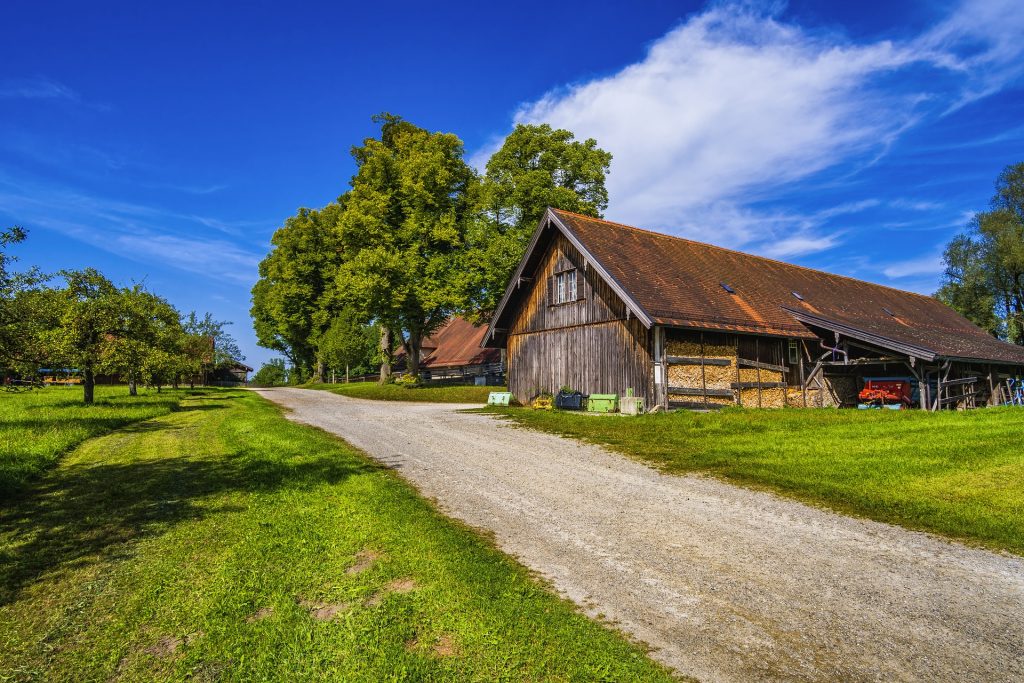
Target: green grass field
222,542
38,426
396,392
958,474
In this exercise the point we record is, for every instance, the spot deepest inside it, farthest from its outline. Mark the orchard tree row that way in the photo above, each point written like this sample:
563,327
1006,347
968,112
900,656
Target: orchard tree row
80,322
418,236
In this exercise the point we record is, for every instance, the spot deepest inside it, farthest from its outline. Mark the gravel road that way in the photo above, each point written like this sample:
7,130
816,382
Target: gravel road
724,583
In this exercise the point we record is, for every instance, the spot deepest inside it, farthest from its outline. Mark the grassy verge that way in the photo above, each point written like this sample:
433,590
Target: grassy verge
957,474
396,392
222,542
38,426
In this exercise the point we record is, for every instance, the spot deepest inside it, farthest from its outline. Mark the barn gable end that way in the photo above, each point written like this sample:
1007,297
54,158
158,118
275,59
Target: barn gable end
590,342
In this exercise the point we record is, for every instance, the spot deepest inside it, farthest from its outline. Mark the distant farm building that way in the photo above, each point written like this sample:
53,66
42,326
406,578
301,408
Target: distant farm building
605,308
230,374
454,353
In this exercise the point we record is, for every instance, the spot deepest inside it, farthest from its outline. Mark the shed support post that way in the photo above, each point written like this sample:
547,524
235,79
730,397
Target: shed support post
803,379
703,375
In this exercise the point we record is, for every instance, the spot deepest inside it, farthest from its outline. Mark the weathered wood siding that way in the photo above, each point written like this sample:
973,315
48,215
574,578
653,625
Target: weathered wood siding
587,344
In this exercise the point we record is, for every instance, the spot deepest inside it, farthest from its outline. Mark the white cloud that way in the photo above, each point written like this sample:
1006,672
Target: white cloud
925,265
734,105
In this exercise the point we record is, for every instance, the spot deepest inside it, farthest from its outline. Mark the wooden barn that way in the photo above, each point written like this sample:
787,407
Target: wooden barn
454,353
604,308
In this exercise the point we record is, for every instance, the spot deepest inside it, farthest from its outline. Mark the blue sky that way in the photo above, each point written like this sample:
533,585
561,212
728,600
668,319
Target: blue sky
165,143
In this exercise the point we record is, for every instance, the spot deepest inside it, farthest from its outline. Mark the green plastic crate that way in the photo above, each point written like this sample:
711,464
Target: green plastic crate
602,403
499,398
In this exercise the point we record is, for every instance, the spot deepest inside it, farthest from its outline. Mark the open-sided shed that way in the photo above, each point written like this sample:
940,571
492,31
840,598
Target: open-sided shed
603,308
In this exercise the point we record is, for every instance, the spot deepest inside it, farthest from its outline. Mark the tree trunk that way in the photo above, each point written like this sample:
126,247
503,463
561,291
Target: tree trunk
88,385
386,350
133,388
346,373
412,347
321,372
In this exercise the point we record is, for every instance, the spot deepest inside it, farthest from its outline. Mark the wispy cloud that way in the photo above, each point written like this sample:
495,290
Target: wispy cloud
42,88
981,40
735,105
925,265
142,233
36,88
187,189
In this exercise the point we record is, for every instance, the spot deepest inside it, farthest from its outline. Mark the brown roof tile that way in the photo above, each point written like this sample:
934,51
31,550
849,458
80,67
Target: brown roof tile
457,344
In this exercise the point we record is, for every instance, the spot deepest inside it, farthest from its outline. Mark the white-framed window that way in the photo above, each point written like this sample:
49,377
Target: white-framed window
794,352
565,287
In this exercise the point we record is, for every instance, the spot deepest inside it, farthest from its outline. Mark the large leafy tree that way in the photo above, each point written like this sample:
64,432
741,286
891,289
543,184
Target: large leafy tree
291,301
24,309
348,343
90,312
403,231
984,277
143,340
536,167
272,374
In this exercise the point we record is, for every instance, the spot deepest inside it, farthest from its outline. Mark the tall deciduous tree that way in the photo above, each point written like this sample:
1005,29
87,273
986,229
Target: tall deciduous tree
984,277
348,343
536,167
403,231
142,338
23,309
90,312
291,302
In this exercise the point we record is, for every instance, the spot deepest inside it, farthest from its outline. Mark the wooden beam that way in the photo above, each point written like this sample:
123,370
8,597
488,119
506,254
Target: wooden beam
690,360
761,366
695,405
757,385
865,361
697,391
955,382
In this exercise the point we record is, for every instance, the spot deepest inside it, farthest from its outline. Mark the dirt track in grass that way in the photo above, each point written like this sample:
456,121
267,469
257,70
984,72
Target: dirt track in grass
723,582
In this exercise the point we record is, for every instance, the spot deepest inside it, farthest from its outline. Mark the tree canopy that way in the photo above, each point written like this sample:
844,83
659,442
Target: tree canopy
418,237
403,231
291,301
536,167
984,276
87,325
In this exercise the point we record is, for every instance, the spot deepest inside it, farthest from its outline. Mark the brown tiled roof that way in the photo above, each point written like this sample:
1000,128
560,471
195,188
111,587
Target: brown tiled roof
457,344
678,282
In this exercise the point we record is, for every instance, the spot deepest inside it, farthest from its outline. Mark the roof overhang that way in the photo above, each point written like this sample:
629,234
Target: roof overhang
864,336
548,221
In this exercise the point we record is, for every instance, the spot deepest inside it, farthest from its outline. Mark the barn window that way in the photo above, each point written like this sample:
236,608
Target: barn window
565,287
794,352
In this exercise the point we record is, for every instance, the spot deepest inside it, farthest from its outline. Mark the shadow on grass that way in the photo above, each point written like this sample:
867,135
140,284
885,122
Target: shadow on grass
89,513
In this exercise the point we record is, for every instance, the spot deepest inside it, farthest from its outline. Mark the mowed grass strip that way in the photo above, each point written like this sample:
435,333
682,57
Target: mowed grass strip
956,473
397,392
222,542
38,426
